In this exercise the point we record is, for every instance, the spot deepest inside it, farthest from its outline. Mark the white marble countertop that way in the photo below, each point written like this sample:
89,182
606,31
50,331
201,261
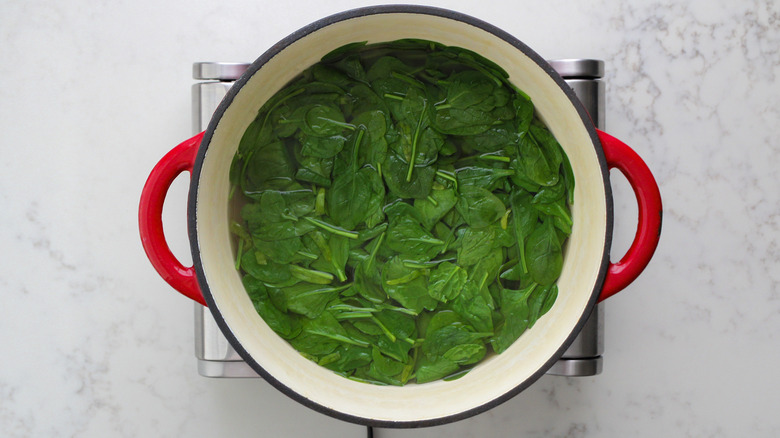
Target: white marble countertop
95,344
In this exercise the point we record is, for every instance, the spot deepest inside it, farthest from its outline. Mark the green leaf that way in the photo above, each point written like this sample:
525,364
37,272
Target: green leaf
373,150
466,354
479,207
319,336
475,244
281,251
311,275
408,237
266,168
482,176
433,208
315,170
418,185
324,121
309,299
400,325
446,281
543,254
438,342
406,286
473,305
384,365
515,313
321,147
524,220
339,250
434,369
267,272
348,357
469,88
284,325
540,159
559,212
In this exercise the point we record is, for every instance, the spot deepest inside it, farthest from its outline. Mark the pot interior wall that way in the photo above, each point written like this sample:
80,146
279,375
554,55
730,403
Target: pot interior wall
488,382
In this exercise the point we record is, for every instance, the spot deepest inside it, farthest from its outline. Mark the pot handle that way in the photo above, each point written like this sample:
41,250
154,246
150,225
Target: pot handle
178,160
648,196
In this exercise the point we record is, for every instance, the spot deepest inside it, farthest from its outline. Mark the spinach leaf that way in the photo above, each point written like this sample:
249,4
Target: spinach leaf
287,326
475,244
408,237
446,281
474,305
559,212
439,341
268,271
267,168
374,144
321,147
385,366
309,299
400,183
485,177
314,170
349,196
543,253
479,207
434,369
524,221
466,354
347,357
515,313
433,208
469,88
407,286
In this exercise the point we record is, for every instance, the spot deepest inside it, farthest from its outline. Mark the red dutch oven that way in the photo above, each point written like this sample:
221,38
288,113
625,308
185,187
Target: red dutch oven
587,277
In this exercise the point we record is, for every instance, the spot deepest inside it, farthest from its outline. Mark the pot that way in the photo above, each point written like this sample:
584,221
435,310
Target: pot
587,276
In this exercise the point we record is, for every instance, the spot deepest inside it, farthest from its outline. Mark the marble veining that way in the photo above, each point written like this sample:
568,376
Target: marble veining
95,344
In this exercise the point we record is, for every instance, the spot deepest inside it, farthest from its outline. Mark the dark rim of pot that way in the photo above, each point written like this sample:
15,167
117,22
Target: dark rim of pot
273,51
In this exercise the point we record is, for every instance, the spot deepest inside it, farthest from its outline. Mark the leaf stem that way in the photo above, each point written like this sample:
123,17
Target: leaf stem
404,278
387,332
399,309
353,315
319,204
340,124
494,157
332,228
356,149
505,219
417,265
393,96
307,254
310,275
448,176
350,308
341,338
374,251
414,142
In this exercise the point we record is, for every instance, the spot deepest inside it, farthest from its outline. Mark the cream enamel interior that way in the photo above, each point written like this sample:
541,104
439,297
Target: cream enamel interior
492,378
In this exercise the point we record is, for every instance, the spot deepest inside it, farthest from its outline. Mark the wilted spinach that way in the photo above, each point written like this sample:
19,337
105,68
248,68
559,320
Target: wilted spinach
404,212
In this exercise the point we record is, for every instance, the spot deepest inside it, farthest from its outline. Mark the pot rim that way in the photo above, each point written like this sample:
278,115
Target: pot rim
254,68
